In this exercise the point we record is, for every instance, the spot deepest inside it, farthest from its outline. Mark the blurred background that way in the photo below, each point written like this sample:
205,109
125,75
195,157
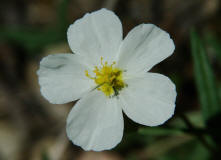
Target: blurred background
32,128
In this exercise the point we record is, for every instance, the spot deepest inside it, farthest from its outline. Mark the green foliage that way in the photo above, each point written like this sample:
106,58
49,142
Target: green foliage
214,43
192,150
204,77
62,14
159,131
31,39
34,40
44,155
220,91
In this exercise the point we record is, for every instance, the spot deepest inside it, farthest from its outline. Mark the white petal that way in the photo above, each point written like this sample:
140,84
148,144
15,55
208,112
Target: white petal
95,122
96,34
149,99
62,78
145,46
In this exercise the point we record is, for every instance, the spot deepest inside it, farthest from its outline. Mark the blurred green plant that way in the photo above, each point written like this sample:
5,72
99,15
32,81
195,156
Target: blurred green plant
159,131
207,91
34,40
205,80
191,150
213,43
44,155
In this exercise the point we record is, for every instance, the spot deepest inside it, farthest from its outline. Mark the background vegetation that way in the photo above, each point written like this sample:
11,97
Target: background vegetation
31,128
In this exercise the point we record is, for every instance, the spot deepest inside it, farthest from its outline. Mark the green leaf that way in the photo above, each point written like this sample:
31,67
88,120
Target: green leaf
214,43
62,11
204,78
165,145
159,131
195,117
220,91
31,39
192,150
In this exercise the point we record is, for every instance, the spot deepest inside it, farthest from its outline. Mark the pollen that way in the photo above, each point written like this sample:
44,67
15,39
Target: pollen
109,79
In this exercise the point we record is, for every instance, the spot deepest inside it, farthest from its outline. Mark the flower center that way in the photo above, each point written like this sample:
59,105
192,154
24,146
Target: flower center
108,78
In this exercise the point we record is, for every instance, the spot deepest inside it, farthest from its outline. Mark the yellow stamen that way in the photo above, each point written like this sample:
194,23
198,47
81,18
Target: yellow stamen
108,78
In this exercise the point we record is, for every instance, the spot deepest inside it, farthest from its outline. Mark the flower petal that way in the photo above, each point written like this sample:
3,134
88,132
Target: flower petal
62,78
144,46
96,34
149,99
95,122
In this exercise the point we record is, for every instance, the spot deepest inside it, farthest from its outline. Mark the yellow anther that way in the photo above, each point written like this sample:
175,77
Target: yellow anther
109,79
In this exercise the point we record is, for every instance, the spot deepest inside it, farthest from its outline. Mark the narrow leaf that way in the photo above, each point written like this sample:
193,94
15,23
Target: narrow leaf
204,78
214,43
31,39
159,131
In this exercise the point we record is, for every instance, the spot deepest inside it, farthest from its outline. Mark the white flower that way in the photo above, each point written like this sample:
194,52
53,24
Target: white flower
109,75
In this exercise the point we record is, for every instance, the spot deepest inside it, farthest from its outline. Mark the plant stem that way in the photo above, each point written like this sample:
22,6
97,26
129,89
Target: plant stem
200,136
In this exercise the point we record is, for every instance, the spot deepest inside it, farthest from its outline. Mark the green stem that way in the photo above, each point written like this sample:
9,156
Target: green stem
200,135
